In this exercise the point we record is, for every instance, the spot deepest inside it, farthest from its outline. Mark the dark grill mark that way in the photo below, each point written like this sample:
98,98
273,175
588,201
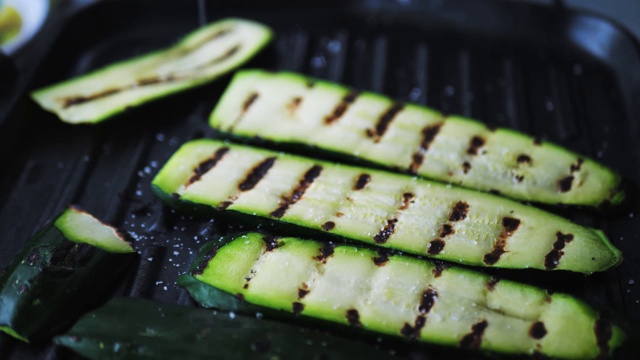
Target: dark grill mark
302,293
256,174
229,53
565,183
406,200
413,332
524,159
427,301
249,101
494,192
491,284
538,330
576,167
509,226
435,247
294,104
271,242
240,297
519,178
383,122
297,308
77,100
473,340
386,232
362,181
328,226
429,133
298,191
476,143
353,318
459,211
207,165
553,257
447,230
341,108
602,329
466,167
382,258
202,265
325,251
439,268
225,204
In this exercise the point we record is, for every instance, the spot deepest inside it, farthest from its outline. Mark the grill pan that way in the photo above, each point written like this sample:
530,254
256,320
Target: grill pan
568,77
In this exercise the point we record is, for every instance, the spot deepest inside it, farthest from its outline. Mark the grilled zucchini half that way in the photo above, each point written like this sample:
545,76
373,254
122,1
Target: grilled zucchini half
385,209
200,57
398,295
64,269
291,108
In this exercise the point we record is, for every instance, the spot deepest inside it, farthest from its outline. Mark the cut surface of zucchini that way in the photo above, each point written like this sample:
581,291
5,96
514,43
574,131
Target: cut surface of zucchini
130,328
403,296
63,270
291,108
200,57
380,208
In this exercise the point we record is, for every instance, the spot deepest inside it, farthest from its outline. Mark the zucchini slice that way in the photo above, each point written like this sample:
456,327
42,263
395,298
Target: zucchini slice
404,296
380,208
64,268
200,57
290,108
129,328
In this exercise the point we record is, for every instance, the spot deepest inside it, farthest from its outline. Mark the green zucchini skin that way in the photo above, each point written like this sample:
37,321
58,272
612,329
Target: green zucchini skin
130,328
58,275
397,295
200,57
380,208
291,108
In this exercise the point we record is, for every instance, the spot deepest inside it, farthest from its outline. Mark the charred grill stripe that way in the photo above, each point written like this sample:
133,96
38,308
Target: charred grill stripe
383,122
382,258
524,159
302,293
459,211
207,165
341,108
509,226
413,332
386,232
436,246
475,144
446,230
407,198
537,330
576,167
326,251
603,332
294,104
353,318
473,340
202,265
256,174
227,54
297,192
427,301
552,259
362,181
466,166
297,307
429,133
491,284
565,183
249,101
328,226
439,268
271,242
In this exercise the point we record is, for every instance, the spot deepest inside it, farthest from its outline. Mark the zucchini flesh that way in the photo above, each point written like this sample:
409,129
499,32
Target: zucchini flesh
380,208
142,329
200,57
62,270
404,296
290,108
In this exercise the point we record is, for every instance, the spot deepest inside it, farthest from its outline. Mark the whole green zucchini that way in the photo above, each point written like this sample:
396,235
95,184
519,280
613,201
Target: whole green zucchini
380,208
202,56
130,328
291,108
64,269
399,295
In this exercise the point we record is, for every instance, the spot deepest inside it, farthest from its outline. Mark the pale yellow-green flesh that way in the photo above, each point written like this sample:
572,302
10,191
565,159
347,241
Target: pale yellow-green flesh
362,214
272,116
387,297
189,63
81,227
